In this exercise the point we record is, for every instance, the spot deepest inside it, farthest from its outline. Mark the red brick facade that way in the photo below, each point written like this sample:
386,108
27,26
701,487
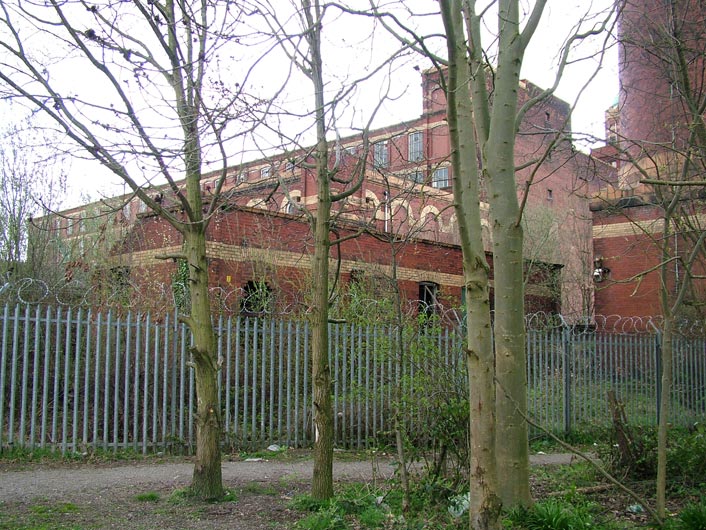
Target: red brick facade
405,194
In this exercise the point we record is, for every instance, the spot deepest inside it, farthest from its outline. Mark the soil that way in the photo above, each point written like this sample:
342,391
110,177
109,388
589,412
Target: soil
141,494
95,495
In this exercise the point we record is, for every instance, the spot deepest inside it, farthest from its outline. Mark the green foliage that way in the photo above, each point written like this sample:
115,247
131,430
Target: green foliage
27,455
360,506
372,517
552,514
186,496
327,519
363,302
686,456
148,496
355,503
692,517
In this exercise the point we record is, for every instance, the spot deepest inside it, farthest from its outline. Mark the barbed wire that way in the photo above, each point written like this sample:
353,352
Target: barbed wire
231,300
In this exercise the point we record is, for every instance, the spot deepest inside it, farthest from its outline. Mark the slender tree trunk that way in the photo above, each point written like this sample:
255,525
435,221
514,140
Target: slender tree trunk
207,480
512,449
662,433
322,480
485,505
667,360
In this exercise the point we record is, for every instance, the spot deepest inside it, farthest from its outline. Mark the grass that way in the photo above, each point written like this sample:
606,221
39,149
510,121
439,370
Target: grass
148,496
259,488
43,516
17,457
185,496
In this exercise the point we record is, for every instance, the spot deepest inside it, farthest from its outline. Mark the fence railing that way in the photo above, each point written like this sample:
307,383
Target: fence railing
72,380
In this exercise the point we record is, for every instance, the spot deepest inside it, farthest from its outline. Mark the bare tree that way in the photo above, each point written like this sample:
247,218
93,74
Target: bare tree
663,163
29,185
141,88
481,82
336,184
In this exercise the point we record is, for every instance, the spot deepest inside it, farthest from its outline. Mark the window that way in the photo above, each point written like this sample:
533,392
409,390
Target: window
293,205
257,298
416,176
440,178
82,223
265,173
550,195
381,156
428,292
289,165
69,226
416,149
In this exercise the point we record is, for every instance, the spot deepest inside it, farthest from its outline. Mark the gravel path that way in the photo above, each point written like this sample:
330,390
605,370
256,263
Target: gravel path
99,480
107,497
90,480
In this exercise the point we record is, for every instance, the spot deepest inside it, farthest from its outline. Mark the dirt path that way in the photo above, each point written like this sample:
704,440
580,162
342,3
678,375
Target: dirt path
60,482
107,497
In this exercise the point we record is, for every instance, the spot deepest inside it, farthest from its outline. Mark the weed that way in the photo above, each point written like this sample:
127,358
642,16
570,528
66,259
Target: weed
372,517
148,496
550,515
692,517
228,496
186,496
64,507
328,519
306,503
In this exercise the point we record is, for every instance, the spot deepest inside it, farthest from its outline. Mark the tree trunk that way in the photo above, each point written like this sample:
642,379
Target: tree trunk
485,505
662,434
498,152
322,480
207,479
512,449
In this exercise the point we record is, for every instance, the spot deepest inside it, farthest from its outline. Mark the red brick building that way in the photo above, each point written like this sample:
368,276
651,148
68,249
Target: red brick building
406,197
649,137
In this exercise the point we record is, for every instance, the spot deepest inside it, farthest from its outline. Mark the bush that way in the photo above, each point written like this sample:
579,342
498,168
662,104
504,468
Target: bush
686,456
692,517
550,515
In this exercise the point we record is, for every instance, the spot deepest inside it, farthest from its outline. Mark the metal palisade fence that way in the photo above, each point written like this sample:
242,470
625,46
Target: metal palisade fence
73,379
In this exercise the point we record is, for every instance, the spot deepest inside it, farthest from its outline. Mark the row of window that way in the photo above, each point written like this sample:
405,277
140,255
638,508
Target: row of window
73,225
415,150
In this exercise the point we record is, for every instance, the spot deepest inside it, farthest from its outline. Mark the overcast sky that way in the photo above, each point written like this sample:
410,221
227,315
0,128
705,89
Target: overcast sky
353,48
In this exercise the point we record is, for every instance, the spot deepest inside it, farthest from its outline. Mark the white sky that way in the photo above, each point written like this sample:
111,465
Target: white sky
350,52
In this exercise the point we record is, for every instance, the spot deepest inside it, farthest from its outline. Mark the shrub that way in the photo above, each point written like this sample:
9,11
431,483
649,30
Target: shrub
692,517
550,515
686,456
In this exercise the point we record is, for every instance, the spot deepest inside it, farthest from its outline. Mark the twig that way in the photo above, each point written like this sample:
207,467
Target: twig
585,457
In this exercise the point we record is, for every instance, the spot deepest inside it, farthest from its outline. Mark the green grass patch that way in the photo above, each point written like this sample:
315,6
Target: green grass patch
148,496
186,496
552,514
